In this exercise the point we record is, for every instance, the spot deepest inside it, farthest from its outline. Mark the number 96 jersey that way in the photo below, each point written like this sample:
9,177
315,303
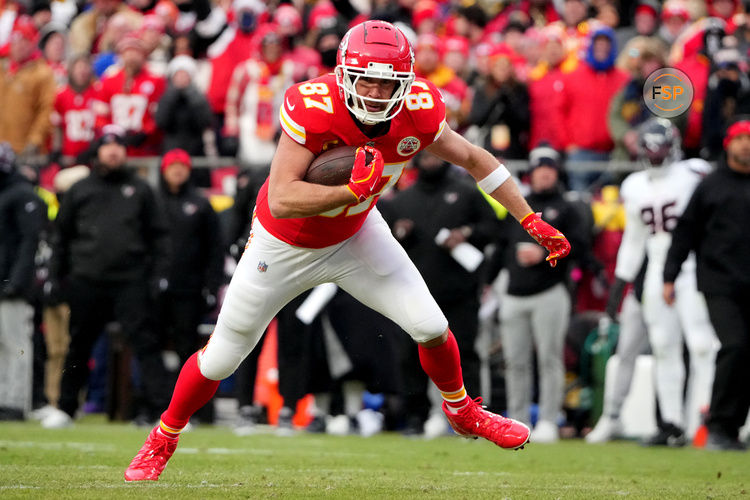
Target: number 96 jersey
653,201
314,115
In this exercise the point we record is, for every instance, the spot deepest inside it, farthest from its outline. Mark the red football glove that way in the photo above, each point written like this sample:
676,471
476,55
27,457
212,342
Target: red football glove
547,236
365,176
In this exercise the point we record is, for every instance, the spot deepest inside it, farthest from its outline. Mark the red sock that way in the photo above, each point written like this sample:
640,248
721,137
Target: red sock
443,365
191,392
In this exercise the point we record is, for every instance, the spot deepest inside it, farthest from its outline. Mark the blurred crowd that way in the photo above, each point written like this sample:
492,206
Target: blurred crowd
89,86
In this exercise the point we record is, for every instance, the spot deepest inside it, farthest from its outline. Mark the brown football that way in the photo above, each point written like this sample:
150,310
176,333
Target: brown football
333,167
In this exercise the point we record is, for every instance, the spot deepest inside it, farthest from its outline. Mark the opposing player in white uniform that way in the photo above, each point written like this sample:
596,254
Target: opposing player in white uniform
307,234
654,198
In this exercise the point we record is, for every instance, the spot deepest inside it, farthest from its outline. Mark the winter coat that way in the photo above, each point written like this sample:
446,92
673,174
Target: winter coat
21,220
27,97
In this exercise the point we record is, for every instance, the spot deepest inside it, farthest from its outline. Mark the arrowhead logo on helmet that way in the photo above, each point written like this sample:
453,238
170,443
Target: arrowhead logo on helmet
374,50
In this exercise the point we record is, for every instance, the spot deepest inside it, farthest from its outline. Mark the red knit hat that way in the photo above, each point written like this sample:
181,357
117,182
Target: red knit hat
739,128
175,156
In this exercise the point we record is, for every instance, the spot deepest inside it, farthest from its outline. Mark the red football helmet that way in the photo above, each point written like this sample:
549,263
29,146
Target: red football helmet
374,49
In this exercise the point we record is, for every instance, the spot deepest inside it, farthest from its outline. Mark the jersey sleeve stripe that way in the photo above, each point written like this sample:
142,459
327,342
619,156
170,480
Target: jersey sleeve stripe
440,131
295,131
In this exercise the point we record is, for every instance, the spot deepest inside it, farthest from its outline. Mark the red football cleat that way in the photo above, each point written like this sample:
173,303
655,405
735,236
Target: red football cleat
474,421
152,458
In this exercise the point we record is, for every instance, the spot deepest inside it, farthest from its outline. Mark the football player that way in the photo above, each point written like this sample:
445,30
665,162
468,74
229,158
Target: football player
654,198
305,234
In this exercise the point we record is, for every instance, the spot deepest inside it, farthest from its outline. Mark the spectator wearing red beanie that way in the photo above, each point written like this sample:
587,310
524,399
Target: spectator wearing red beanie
195,271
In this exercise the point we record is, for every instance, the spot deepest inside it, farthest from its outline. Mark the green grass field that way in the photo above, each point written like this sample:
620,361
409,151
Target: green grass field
87,461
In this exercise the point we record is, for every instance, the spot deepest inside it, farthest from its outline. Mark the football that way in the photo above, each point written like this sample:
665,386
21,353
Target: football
333,167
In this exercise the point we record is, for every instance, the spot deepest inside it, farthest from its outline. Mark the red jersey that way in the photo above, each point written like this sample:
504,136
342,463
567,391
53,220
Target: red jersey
131,105
314,115
74,114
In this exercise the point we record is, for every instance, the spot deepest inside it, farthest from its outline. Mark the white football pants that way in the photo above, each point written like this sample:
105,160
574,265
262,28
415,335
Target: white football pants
667,325
371,266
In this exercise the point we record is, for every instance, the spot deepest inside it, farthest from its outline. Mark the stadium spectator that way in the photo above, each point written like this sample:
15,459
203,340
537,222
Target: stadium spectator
728,95
21,220
305,234
237,43
152,32
545,80
88,27
628,109
535,308
583,103
183,112
455,55
723,9
128,98
254,96
118,26
27,92
696,63
711,227
428,65
74,117
645,22
674,19
196,268
440,199
576,27
500,108
111,251
53,41
540,12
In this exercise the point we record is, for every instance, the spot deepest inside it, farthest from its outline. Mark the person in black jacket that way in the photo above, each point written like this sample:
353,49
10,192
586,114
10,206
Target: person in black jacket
196,269
183,112
715,225
501,108
111,251
441,200
21,220
535,309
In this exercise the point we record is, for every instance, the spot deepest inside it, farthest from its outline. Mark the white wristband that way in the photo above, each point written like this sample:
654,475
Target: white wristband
495,179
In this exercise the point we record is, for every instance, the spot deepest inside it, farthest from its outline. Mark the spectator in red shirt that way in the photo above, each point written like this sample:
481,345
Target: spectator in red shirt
128,98
236,44
74,116
427,64
544,81
583,102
